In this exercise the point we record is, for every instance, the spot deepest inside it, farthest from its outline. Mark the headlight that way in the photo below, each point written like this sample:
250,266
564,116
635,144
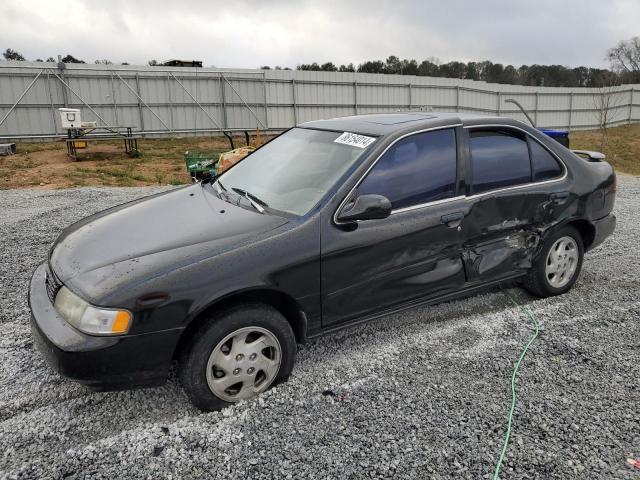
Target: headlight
90,319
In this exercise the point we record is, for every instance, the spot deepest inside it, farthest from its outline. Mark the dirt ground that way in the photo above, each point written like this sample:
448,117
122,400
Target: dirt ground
161,162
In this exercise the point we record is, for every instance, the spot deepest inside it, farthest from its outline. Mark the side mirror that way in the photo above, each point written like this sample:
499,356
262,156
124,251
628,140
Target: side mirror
366,207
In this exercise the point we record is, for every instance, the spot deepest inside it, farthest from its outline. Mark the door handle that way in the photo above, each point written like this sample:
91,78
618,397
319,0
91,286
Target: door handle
559,197
452,220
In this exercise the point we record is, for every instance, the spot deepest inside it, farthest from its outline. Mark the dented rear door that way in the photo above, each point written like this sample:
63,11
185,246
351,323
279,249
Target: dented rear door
501,237
508,208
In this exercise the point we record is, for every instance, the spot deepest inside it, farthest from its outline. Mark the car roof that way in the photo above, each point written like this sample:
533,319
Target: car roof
380,124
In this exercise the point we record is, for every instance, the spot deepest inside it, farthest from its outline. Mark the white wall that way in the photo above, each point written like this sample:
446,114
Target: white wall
192,101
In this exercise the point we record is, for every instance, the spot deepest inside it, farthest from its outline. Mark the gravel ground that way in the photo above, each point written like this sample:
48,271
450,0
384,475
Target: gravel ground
421,394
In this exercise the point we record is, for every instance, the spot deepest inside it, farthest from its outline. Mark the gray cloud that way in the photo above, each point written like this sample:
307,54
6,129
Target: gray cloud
245,33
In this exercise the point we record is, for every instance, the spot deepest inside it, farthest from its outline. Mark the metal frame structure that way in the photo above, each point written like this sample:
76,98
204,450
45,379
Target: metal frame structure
230,101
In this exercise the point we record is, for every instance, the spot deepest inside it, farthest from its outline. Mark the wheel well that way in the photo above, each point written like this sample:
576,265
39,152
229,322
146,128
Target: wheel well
587,231
286,305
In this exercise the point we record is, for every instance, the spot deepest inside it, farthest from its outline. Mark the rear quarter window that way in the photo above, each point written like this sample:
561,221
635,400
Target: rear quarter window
544,164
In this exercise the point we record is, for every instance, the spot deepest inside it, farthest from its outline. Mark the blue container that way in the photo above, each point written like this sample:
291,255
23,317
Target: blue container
560,136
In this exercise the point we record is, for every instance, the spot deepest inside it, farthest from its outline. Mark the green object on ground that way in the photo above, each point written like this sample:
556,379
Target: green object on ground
200,163
536,331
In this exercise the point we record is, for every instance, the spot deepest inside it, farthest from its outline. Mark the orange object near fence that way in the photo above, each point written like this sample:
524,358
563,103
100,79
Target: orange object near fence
230,158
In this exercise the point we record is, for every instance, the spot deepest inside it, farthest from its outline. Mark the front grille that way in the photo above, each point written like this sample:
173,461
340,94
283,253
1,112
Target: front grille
52,284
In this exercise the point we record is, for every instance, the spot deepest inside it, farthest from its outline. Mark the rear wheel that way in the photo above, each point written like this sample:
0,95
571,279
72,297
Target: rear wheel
558,265
236,355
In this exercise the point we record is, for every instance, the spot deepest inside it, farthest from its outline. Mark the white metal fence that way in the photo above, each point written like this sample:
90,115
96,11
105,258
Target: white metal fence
192,101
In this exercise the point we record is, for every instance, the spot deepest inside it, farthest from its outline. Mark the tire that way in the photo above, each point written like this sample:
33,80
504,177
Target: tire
253,344
542,280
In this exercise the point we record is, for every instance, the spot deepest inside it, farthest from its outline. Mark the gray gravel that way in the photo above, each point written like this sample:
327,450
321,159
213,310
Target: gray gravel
421,394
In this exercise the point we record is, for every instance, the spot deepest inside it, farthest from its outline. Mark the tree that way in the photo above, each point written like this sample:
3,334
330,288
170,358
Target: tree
625,57
104,61
10,54
328,67
265,67
71,59
347,68
50,59
376,66
428,69
472,71
510,75
308,66
606,100
409,67
153,63
453,70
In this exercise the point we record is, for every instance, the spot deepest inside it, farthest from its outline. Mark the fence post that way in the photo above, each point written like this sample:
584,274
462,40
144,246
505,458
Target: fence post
570,110
115,103
139,102
65,98
355,96
410,96
170,101
498,103
53,111
264,88
223,102
535,111
631,104
295,102
457,98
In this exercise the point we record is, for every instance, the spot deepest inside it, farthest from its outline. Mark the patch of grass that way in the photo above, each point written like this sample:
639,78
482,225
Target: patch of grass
621,145
105,162
177,181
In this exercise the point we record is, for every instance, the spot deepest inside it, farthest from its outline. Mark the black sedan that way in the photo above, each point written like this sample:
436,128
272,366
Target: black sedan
331,223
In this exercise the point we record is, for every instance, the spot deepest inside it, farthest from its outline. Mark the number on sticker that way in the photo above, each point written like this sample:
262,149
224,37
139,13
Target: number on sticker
355,140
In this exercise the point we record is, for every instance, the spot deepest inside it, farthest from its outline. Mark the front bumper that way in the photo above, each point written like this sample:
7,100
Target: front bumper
603,228
104,363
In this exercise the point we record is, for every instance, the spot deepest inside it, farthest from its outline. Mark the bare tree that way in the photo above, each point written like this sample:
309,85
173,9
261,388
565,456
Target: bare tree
606,101
625,56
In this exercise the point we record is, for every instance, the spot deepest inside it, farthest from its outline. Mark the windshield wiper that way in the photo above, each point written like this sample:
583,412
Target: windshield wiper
220,187
255,201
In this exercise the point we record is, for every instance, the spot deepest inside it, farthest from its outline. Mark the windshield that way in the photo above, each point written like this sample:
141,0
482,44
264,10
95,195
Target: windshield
293,171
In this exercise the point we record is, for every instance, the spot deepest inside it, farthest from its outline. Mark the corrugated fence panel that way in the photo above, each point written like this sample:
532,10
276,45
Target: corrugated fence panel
164,100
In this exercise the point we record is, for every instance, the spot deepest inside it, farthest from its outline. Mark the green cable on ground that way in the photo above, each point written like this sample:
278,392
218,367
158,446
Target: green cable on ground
507,435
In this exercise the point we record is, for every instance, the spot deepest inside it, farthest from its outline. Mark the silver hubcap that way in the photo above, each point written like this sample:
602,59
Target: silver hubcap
243,364
562,262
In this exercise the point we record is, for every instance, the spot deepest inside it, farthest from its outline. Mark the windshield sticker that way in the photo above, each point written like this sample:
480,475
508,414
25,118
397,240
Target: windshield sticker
354,140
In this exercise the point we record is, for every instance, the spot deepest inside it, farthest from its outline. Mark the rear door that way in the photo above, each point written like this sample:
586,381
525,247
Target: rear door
414,253
508,195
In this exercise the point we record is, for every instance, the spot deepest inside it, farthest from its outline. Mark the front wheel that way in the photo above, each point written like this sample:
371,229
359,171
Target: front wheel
558,265
236,355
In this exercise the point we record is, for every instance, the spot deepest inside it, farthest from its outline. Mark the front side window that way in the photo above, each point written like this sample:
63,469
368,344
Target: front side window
498,159
545,166
415,170
295,170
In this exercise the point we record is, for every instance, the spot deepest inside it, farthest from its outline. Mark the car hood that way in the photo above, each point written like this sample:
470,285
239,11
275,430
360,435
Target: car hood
151,236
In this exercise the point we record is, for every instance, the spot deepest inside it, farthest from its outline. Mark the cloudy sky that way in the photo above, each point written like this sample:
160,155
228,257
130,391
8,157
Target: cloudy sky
248,33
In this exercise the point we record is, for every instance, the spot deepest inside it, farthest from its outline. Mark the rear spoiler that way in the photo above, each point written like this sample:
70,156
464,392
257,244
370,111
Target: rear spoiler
590,156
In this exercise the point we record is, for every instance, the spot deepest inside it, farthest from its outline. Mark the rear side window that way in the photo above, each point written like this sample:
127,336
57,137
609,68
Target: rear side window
498,159
417,169
545,166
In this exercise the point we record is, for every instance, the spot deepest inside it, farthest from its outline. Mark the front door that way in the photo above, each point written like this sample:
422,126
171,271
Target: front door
414,253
